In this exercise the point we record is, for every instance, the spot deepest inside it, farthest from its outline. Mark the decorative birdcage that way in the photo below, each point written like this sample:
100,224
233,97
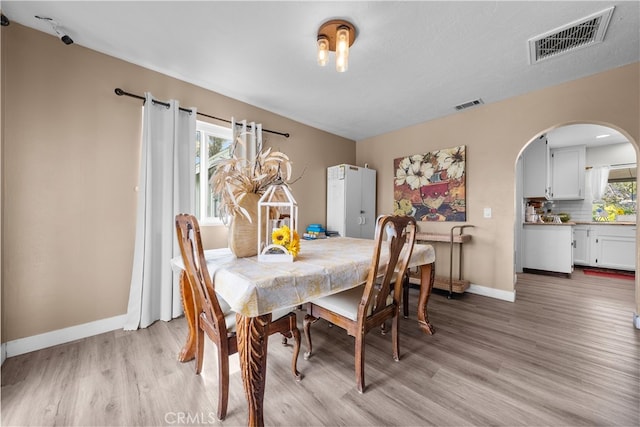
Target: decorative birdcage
278,239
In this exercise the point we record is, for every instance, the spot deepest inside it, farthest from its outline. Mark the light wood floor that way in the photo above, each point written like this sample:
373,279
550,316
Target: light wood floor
564,354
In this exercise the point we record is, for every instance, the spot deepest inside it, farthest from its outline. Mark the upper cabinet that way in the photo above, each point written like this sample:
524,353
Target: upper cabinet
567,173
553,174
535,167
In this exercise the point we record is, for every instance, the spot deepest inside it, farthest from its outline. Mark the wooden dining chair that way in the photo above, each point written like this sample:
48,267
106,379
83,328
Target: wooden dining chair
214,316
370,305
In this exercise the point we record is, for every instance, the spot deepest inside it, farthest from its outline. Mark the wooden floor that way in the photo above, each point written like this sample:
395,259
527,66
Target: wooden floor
564,354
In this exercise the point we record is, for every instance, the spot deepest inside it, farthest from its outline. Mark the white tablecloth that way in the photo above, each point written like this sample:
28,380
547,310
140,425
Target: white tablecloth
322,267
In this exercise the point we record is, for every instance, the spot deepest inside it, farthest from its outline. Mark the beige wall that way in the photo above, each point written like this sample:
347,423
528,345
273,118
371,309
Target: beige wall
495,135
70,165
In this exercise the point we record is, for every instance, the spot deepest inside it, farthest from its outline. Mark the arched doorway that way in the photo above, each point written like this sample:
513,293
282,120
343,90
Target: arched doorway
605,144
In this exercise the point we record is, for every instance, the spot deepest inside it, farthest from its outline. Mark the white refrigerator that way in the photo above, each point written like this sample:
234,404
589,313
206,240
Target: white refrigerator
351,201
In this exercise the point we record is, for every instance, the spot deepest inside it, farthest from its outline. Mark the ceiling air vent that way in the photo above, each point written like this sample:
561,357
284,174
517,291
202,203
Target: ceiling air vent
469,104
582,33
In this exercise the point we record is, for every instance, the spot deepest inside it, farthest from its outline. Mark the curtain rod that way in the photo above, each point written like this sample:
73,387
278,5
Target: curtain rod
121,92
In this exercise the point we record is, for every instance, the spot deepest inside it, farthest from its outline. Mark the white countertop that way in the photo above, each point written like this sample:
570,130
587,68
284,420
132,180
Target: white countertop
550,223
605,223
622,223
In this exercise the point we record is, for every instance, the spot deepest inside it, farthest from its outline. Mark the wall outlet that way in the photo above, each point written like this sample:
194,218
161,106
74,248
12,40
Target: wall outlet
487,212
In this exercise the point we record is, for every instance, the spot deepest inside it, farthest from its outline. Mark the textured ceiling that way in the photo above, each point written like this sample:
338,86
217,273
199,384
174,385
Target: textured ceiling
411,62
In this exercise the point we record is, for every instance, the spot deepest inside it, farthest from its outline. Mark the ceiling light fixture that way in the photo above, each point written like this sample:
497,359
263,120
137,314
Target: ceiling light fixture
336,36
54,25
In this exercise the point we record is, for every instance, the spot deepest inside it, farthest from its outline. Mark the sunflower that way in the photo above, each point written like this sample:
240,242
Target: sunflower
294,247
281,236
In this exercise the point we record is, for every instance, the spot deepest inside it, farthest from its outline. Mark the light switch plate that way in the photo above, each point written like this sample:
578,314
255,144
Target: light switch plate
487,212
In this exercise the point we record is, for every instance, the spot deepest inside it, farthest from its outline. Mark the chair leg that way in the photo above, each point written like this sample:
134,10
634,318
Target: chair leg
223,384
383,328
308,320
405,295
199,348
359,355
395,338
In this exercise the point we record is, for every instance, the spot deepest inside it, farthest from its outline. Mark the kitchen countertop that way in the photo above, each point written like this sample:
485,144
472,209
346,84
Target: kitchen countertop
605,223
550,223
583,223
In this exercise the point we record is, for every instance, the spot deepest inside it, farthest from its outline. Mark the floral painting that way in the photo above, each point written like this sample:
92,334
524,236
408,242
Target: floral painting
431,186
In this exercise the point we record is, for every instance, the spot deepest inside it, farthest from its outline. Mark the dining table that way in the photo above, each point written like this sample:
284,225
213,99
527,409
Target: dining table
254,289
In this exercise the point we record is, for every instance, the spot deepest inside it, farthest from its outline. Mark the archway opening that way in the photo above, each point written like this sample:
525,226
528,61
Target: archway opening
604,146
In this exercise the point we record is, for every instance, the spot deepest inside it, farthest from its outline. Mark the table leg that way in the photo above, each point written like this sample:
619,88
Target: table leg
253,335
188,351
427,274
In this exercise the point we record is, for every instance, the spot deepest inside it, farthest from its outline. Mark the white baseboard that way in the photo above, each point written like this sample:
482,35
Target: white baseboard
636,320
492,292
4,352
61,336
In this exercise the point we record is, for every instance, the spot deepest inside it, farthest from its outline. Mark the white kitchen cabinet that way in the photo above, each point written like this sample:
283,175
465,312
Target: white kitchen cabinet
614,247
605,245
581,245
351,201
535,169
568,173
548,247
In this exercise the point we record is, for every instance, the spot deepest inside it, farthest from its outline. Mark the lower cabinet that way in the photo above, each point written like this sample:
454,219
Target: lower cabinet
606,245
581,245
548,247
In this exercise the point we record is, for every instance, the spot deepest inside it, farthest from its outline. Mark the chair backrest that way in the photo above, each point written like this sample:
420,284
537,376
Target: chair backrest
205,299
400,232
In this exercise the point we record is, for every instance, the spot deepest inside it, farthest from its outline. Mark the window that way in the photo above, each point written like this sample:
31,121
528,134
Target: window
212,143
620,196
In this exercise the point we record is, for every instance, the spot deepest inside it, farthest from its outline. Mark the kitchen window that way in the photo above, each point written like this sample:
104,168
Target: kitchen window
620,196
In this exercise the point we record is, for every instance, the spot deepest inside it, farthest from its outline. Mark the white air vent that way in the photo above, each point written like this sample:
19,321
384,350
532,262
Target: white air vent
469,104
582,33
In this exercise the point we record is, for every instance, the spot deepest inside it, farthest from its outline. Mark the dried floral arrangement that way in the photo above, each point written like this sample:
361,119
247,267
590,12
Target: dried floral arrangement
234,177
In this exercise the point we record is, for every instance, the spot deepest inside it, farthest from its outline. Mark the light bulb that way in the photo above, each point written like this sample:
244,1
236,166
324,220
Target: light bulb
323,50
341,63
342,49
342,39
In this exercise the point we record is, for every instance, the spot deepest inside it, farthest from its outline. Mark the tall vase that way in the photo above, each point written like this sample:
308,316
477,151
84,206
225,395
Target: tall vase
243,234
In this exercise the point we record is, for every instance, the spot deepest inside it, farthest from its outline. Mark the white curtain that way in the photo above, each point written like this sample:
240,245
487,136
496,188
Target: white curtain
250,135
598,177
165,188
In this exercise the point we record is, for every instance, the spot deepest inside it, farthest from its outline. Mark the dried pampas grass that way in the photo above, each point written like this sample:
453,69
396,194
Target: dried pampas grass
234,177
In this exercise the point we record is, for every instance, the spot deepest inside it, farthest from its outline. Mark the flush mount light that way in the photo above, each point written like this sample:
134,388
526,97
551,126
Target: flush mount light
336,36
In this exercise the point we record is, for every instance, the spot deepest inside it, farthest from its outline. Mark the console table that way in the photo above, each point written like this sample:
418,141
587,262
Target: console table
455,237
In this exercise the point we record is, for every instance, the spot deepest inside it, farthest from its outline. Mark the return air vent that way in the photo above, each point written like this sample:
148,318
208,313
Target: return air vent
582,33
469,104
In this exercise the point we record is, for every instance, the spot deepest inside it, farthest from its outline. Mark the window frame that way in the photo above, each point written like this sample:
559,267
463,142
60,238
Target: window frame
203,192
610,207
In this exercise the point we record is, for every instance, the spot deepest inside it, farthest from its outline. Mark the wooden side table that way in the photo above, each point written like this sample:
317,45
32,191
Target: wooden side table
455,237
